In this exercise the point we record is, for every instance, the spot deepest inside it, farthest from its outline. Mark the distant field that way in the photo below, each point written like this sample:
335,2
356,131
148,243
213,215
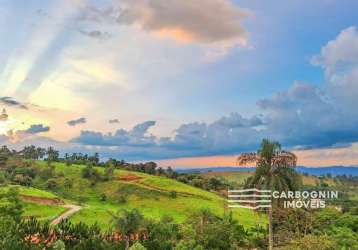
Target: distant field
151,195
239,178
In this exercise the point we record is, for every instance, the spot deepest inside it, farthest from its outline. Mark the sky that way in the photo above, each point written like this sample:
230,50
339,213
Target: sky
186,83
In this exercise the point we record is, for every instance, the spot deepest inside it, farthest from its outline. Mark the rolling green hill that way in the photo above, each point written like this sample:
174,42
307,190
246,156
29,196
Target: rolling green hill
40,210
153,196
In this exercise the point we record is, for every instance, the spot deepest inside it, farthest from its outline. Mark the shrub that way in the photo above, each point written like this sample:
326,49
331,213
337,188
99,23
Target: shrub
23,180
137,246
122,199
103,197
46,173
61,174
68,183
51,184
173,194
313,242
91,173
2,178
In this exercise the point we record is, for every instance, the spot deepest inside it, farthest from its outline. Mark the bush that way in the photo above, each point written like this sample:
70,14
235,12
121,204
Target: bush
108,173
173,194
51,184
2,178
46,173
313,242
68,183
23,180
137,246
91,173
61,174
103,197
122,199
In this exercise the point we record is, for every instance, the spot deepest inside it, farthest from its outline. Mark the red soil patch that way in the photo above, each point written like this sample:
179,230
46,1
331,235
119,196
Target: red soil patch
42,200
129,178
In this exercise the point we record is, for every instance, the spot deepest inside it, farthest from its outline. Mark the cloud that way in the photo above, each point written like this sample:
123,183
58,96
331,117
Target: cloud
97,34
4,116
19,137
37,128
137,136
301,117
339,59
236,120
11,102
42,13
112,121
339,53
75,122
190,139
309,116
185,21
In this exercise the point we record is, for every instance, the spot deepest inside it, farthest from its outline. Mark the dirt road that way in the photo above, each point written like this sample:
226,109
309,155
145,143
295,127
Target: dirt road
71,210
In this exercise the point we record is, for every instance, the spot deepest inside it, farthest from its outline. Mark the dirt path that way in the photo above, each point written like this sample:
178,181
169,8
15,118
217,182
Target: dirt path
72,209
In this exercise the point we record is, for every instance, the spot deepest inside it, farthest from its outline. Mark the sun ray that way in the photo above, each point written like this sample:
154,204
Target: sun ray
23,60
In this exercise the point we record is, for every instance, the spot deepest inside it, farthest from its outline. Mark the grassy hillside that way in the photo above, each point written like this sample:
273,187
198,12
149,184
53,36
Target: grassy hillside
35,209
154,196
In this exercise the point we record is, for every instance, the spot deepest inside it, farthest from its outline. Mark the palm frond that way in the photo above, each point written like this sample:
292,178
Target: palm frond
284,158
247,158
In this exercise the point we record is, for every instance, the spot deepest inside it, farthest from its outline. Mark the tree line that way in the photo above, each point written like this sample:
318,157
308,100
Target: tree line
24,175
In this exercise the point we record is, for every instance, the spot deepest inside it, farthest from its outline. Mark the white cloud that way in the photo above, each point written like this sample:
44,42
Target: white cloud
339,59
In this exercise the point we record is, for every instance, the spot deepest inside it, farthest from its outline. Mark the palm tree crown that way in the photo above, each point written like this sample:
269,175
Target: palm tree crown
274,167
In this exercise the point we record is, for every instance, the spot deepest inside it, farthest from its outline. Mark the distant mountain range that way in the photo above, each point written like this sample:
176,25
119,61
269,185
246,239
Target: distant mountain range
333,170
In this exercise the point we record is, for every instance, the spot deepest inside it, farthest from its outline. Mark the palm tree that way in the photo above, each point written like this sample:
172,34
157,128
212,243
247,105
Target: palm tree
274,171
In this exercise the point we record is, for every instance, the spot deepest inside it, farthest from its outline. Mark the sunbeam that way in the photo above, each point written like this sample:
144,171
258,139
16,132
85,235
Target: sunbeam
24,58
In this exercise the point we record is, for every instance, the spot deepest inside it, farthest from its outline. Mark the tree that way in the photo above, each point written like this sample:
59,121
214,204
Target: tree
68,183
274,171
3,159
108,173
9,234
128,223
52,154
11,205
162,234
